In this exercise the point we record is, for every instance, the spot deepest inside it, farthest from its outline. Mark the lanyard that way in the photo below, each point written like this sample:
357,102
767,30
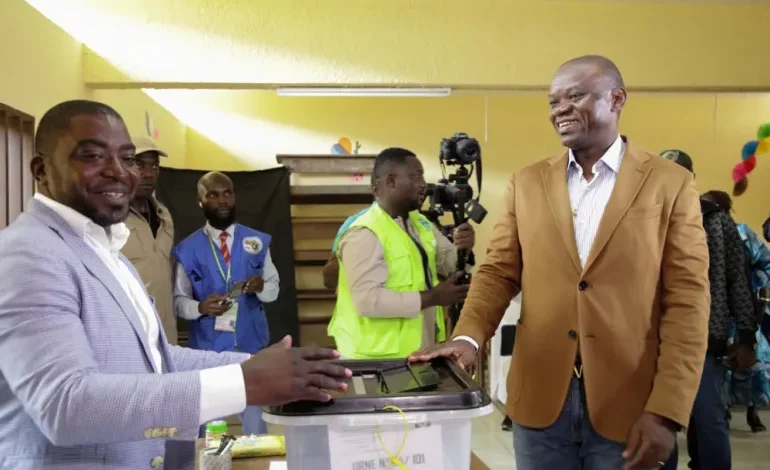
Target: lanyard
219,265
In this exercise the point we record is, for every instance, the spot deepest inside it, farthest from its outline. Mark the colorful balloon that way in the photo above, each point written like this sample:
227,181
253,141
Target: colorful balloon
764,131
739,172
741,186
338,150
763,147
750,163
346,144
749,148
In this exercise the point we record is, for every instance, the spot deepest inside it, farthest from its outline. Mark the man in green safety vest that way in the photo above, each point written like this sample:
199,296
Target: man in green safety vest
389,298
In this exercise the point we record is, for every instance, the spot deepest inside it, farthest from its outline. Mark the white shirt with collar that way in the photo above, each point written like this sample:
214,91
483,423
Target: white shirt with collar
223,391
185,304
588,199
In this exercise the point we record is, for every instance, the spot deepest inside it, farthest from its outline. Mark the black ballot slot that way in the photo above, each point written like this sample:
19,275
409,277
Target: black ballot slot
434,386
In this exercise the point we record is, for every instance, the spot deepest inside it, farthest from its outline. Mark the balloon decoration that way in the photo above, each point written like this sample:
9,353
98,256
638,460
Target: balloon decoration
748,162
344,147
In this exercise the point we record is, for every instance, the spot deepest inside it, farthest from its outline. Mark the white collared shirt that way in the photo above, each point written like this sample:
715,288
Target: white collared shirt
185,304
107,243
588,199
223,391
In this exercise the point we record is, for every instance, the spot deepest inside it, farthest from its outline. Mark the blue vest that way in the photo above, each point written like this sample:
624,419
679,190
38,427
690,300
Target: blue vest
195,255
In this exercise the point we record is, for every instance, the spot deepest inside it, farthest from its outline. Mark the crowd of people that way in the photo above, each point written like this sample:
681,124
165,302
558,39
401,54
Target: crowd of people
641,315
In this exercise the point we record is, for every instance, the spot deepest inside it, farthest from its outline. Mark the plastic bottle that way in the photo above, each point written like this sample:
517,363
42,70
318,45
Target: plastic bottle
214,432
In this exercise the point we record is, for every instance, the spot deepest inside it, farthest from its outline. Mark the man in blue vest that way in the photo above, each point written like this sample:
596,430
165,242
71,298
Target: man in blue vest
209,264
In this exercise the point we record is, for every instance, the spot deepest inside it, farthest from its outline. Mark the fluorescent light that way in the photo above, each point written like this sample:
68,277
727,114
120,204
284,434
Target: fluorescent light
365,92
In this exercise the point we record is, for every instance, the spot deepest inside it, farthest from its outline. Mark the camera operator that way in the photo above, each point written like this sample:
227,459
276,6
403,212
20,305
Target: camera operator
389,298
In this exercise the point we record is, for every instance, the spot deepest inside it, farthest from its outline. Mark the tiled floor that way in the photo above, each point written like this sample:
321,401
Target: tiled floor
750,451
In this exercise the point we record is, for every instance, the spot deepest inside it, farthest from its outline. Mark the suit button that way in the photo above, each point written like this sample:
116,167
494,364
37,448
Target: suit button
572,334
583,285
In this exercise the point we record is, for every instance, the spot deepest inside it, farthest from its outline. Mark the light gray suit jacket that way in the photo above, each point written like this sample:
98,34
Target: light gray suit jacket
77,389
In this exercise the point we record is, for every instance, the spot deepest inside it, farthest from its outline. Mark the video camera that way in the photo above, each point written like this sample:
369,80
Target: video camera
453,194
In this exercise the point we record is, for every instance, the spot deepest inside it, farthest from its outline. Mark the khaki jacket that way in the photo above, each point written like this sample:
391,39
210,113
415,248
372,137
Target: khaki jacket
637,313
151,258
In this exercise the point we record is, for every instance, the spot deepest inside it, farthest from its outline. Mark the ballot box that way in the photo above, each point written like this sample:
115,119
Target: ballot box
419,414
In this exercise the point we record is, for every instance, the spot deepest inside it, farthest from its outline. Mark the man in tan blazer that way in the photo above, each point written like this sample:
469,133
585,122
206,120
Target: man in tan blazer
606,244
152,236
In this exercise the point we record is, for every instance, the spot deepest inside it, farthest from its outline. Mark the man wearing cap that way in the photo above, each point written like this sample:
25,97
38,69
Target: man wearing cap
152,236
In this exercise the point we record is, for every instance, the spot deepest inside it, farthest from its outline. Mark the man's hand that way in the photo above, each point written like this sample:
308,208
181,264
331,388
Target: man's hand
448,292
741,357
461,351
464,237
650,443
254,285
214,305
281,374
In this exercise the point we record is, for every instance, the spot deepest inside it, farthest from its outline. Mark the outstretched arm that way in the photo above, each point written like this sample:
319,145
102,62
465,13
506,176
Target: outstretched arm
48,363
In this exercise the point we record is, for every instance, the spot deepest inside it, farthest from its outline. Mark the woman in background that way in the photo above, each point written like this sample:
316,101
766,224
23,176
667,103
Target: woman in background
752,387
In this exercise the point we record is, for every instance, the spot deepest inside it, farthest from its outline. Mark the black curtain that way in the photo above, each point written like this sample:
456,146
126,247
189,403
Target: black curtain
262,203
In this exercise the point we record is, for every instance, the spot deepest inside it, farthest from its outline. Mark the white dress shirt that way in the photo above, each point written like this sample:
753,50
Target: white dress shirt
185,304
588,199
223,391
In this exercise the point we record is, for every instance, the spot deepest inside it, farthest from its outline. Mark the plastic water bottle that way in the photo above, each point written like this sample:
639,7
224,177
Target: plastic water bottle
215,430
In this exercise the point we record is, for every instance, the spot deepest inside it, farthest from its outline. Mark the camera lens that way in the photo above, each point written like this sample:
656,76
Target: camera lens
468,150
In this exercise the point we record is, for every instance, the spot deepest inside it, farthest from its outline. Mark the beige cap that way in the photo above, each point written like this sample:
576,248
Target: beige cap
145,144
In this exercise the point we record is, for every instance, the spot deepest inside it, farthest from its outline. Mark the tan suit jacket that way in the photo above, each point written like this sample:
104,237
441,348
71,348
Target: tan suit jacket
151,258
637,312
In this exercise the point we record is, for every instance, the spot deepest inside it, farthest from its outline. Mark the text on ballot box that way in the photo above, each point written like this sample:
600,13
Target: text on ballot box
362,450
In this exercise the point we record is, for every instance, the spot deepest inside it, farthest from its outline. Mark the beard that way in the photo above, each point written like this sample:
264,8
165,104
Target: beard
217,220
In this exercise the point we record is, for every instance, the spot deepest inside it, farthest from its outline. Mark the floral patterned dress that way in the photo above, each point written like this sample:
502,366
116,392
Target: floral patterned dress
753,386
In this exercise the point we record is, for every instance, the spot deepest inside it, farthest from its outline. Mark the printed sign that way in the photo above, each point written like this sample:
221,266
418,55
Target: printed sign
361,450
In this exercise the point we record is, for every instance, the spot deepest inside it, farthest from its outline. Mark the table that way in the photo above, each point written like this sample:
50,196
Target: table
263,463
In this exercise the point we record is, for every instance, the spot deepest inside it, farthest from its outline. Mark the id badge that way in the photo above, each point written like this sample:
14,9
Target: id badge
226,321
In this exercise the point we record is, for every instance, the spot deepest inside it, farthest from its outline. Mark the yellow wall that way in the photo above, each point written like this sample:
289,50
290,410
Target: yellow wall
245,129
42,66
132,105
476,43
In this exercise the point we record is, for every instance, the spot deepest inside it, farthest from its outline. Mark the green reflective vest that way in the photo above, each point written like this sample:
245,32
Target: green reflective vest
360,337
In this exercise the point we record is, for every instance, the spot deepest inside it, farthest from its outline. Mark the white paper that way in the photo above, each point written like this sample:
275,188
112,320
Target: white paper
361,450
278,466
226,321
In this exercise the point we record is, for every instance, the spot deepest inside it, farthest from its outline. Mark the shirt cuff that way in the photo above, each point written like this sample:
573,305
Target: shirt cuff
468,339
223,392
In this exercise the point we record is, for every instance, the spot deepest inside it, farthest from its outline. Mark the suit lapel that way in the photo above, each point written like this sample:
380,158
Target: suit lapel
631,176
94,264
555,183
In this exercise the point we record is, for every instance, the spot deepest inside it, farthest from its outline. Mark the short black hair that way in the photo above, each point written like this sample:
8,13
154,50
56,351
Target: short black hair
387,158
57,120
608,67
720,198
679,157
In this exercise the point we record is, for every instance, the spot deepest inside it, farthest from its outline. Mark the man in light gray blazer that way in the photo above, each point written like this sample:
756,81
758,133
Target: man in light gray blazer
87,377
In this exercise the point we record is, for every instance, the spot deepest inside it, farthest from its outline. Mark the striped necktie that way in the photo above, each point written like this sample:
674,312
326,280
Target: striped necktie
223,246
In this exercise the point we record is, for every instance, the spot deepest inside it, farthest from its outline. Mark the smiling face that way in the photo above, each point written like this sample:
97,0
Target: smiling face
90,168
585,106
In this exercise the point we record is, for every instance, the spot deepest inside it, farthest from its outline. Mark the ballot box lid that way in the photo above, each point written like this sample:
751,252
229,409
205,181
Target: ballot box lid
439,385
